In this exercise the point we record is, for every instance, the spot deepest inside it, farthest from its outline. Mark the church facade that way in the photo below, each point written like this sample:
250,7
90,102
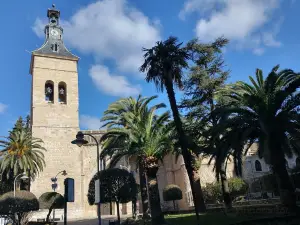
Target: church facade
55,119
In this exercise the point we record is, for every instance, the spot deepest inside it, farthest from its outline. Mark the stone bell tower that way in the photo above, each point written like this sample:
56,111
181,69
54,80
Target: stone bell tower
54,112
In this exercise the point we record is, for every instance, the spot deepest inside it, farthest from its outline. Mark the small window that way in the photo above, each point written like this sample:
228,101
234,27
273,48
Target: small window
258,166
54,47
62,92
49,91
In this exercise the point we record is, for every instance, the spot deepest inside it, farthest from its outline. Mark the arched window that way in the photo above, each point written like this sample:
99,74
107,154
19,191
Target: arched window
258,166
298,162
49,91
62,92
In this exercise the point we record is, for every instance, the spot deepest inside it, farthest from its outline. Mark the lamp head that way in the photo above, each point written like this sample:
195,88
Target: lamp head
24,177
79,141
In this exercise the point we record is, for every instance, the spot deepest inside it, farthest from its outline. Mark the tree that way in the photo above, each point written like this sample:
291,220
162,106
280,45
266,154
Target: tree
23,153
147,137
22,204
172,192
50,201
268,113
207,75
114,116
163,65
117,185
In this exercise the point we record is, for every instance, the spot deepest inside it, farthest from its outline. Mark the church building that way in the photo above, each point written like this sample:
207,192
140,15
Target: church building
55,119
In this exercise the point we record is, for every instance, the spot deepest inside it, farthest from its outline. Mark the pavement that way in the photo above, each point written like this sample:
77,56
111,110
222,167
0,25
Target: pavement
105,221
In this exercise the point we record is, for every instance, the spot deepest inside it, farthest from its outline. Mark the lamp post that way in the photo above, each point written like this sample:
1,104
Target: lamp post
24,177
79,141
54,186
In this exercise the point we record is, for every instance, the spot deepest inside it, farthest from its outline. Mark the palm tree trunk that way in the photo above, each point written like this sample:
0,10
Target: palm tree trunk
225,188
198,190
157,216
143,187
198,201
286,187
118,212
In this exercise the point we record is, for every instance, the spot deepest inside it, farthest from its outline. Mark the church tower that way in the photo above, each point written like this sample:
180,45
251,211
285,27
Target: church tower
54,111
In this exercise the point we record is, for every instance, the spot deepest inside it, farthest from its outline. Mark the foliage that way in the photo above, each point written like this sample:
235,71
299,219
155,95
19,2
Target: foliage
23,153
132,116
116,185
141,133
6,184
21,205
163,65
213,191
267,112
172,192
237,186
121,183
23,202
51,200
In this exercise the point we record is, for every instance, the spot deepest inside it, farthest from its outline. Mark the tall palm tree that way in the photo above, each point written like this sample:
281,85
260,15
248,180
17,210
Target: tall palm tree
163,65
268,112
23,153
144,135
114,116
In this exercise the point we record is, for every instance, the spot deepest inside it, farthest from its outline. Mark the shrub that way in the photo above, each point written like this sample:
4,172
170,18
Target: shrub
22,204
172,192
117,185
237,187
212,193
51,200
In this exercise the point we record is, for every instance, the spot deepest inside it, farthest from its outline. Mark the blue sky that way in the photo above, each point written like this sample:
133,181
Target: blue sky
108,36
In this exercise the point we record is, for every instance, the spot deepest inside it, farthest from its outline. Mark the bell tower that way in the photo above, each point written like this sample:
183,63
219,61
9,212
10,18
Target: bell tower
54,111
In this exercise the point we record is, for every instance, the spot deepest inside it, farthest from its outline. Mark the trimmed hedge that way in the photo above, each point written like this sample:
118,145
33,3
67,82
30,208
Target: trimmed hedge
24,201
172,192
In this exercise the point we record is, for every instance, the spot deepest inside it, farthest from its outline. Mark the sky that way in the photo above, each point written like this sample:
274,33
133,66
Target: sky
108,36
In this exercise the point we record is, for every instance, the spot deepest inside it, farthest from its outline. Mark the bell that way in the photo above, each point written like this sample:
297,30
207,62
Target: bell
49,90
62,91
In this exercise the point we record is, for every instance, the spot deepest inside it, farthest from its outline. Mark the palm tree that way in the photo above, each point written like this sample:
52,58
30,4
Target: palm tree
267,112
23,153
163,65
114,117
144,135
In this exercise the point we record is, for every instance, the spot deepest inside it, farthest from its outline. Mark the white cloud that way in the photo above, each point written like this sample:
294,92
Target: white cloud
110,30
3,107
243,22
258,51
90,122
111,84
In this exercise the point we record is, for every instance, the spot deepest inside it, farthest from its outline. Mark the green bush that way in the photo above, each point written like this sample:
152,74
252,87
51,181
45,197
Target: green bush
22,205
172,192
51,200
24,201
116,185
212,193
237,187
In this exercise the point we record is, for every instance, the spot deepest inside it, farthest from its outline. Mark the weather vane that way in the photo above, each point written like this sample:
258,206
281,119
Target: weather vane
53,5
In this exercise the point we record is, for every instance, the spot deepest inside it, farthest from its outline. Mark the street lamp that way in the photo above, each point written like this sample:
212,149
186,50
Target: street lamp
54,179
54,186
80,141
24,177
